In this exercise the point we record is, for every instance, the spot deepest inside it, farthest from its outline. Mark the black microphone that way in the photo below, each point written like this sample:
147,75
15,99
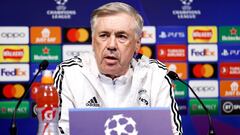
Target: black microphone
174,76
13,129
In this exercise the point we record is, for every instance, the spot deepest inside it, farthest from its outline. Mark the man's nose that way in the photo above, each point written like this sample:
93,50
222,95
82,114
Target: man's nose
112,45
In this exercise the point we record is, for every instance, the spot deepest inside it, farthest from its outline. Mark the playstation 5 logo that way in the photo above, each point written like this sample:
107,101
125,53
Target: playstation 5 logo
225,52
163,34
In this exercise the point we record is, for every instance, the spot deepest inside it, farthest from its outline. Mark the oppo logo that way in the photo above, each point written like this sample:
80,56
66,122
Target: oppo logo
13,35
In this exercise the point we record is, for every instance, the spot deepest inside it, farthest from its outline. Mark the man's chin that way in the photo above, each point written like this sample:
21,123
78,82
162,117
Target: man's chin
111,71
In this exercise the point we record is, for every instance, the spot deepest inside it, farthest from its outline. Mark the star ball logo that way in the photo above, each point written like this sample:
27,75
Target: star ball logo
186,12
203,70
61,11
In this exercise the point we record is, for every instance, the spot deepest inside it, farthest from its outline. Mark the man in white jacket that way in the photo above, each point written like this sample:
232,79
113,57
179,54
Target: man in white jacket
114,76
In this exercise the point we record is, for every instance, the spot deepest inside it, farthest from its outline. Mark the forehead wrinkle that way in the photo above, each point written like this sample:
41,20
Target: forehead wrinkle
108,23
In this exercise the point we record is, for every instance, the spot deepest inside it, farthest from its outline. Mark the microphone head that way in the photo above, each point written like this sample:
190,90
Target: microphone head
173,75
43,65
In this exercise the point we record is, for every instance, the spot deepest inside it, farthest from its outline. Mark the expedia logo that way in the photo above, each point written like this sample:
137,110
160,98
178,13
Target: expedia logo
230,107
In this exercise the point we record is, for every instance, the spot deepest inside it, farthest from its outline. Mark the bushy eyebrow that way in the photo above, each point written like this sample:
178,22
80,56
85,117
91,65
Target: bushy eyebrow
121,32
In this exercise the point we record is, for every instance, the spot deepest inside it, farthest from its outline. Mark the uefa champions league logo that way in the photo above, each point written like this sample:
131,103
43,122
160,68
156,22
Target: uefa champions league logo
61,2
187,11
120,125
186,2
61,11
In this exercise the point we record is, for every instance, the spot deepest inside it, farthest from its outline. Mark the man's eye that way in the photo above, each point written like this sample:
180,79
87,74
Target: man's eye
102,35
122,38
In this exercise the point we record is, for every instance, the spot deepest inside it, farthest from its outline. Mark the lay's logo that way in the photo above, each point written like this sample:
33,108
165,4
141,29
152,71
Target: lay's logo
14,53
202,34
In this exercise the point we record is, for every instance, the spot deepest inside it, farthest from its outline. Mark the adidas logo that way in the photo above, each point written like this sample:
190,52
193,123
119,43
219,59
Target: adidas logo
93,102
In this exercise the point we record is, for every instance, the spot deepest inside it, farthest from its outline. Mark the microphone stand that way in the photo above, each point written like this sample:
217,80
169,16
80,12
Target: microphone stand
13,128
174,76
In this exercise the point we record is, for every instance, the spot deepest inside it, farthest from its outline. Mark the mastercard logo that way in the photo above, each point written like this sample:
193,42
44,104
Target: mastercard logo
77,35
13,91
203,70
145,50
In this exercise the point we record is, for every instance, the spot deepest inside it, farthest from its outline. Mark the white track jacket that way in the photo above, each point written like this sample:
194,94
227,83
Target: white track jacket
81,85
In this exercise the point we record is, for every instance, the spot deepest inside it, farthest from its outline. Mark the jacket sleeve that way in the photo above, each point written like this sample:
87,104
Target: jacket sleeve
65,99
163,96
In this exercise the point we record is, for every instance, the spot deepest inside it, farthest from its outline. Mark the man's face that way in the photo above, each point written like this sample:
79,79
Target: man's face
114,42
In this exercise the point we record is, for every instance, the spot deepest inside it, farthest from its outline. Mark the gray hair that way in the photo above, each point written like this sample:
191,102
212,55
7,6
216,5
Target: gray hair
116,8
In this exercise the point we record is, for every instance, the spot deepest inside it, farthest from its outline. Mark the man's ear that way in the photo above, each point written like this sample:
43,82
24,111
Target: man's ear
138,45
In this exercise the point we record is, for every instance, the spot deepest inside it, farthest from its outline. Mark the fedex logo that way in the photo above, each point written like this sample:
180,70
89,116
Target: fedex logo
171,34
202,52
14,72
148,35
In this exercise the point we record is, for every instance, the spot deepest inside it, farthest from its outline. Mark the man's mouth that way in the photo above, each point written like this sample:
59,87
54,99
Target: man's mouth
110,60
